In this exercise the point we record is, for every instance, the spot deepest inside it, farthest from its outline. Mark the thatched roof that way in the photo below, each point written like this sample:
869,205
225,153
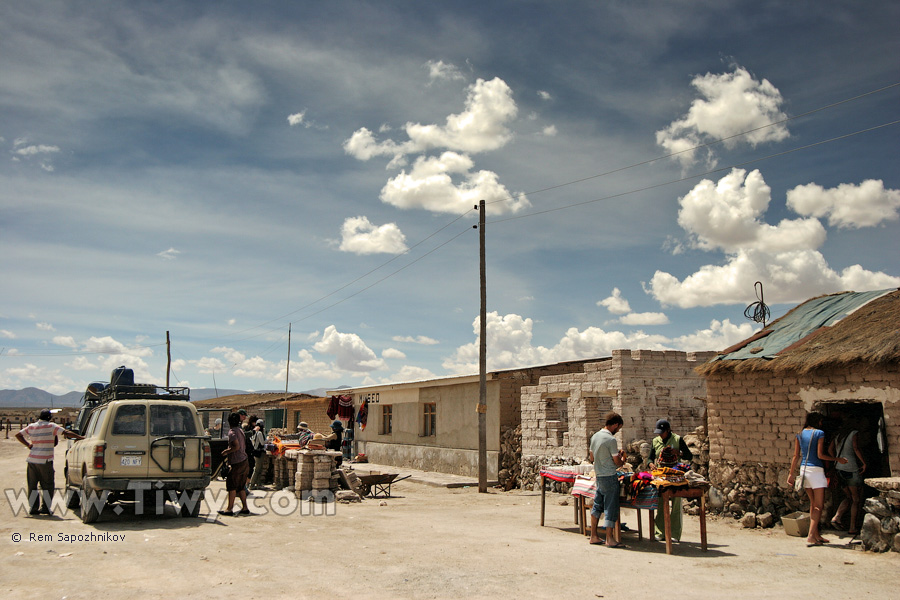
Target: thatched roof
868,336
248,401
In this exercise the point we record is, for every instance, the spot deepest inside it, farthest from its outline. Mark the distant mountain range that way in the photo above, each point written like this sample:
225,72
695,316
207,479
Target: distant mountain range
36,398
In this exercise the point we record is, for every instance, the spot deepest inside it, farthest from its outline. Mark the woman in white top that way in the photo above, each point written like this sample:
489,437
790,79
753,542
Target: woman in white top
849,474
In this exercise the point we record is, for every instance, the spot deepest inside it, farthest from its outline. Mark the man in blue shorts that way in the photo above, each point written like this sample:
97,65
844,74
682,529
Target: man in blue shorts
606,457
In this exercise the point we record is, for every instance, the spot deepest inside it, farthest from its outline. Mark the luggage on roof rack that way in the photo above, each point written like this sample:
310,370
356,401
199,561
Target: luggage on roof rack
121,376
141,391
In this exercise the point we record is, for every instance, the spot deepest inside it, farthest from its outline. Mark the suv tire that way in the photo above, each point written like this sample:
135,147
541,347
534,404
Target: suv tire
189,507
72,495
90,510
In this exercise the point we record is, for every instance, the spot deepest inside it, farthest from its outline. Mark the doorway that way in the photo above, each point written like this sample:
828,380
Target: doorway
867,418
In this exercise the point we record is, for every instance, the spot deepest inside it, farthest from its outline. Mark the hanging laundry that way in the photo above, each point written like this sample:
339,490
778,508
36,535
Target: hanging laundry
362,415
332,408
345,408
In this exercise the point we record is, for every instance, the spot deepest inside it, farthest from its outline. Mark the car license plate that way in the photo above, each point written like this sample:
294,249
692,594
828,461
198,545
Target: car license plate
131,461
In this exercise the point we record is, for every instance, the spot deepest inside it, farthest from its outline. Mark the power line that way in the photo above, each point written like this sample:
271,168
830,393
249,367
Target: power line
361,277
554,187
696,175
697,147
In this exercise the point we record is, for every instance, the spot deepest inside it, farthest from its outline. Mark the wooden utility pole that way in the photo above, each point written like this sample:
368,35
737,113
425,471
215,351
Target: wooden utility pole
482,362
287,376
168,358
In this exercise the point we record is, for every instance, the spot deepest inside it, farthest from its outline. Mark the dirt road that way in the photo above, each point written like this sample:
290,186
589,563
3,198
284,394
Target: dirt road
424,542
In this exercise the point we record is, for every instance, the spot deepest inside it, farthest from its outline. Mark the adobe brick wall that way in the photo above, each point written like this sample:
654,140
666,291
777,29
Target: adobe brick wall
511,383
641,385
753,418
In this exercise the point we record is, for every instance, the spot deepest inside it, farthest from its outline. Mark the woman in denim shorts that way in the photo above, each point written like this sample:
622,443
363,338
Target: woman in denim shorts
850,476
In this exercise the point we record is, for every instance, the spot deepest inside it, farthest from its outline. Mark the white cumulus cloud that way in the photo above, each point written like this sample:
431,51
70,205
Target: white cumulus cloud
646,318
730,103
481,127
439,70
65,340
350,351
615,303
297,118
430,185
847,206
727,216
359,236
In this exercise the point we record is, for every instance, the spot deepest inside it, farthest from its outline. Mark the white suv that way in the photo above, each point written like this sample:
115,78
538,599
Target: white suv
140,443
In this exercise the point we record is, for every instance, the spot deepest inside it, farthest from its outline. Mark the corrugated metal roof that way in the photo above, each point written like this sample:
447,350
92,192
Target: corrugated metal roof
801,322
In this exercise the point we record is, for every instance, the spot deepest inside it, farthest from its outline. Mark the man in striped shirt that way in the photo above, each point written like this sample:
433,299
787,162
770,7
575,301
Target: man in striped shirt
42,435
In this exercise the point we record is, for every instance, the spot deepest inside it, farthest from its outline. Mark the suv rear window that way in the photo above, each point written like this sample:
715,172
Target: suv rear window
131,419
167,419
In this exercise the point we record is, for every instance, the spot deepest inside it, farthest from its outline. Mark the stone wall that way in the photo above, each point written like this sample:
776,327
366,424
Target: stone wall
562,412
880,530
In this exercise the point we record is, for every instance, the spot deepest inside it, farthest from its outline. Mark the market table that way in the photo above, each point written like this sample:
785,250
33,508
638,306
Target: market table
585,487
667,493
563,474
584,490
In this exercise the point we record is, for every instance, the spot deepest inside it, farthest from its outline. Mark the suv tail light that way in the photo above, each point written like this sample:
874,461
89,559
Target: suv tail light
207,456
99,451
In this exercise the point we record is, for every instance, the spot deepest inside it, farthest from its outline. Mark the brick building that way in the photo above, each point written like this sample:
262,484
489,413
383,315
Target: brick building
562,412
838,355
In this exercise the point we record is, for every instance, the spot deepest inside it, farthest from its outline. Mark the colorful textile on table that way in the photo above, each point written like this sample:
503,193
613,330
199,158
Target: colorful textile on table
564,476
648,498
667,476
637,483
584,486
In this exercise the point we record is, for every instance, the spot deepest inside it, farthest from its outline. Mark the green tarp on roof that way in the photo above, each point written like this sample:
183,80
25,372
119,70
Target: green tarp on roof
803,320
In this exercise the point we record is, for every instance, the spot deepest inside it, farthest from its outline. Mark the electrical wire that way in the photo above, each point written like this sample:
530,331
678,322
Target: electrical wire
697,147
758,311
696,175
581,180
532,214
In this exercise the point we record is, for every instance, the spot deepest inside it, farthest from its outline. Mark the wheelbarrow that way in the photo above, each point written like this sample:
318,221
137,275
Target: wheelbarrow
378,485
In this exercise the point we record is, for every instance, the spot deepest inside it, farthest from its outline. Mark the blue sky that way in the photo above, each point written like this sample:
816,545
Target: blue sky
220,170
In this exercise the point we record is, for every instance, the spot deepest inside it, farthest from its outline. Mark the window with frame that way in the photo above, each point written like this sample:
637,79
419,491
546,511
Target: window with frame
387,419
131,419
96,418
429,419
167,419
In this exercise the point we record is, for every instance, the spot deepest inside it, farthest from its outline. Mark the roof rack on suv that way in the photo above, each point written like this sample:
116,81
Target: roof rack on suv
143,391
